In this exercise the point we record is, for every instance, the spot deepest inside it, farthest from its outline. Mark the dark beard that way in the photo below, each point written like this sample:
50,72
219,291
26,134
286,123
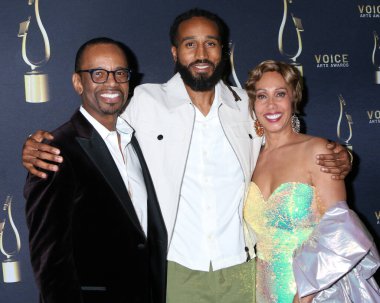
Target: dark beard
201,83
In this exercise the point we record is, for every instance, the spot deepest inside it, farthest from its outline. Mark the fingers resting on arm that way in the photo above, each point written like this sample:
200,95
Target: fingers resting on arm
338,163
35,154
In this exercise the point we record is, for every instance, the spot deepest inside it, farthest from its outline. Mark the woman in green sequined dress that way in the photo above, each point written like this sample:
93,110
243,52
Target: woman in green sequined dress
288,194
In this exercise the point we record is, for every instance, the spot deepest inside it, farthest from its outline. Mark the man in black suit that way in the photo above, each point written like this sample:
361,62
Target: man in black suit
96,229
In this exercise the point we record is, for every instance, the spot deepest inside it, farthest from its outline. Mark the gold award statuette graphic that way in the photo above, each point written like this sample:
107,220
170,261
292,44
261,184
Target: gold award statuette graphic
36,82
298,28
234,75
233,71
11,267
348,136
375,57
377,215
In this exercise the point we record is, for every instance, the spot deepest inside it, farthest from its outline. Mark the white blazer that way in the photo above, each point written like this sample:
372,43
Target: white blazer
163,118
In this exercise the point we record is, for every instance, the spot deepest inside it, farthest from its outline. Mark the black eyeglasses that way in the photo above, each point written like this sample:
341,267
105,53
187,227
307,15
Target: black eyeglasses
99,75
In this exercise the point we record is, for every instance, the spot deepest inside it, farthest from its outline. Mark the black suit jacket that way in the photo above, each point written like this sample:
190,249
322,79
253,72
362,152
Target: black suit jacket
86,242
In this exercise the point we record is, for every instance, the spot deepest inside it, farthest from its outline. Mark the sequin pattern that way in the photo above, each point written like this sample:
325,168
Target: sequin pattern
282,223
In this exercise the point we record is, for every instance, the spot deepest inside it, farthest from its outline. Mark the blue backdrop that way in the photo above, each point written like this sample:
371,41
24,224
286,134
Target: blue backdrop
335,43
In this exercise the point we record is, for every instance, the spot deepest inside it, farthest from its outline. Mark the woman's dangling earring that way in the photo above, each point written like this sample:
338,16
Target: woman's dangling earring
296,126
259,129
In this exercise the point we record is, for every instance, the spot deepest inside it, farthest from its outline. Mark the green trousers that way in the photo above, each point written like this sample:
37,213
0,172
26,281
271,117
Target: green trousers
235,284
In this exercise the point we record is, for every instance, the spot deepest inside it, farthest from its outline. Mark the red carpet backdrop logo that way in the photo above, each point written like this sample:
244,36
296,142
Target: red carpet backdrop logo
376,57
36,82
344,135
332,60
294,23
373,116
377,215
233,71
369,11
8,229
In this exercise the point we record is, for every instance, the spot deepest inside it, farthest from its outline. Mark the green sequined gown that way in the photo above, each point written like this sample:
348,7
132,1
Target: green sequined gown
281,224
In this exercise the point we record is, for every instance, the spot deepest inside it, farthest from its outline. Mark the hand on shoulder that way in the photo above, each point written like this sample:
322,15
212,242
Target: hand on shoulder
329,191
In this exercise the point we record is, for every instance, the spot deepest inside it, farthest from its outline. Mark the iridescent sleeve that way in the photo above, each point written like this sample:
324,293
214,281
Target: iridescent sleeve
338,261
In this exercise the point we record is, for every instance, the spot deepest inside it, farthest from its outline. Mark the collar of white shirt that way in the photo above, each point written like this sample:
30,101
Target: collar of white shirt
122,126
199,117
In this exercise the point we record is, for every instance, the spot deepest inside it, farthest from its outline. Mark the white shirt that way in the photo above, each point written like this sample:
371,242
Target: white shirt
126,161
208,227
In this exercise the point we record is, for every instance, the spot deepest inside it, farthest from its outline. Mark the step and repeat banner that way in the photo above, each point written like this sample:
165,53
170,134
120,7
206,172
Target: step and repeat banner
335,44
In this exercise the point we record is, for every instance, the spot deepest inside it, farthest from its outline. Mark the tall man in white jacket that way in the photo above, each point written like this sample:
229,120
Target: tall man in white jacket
198,140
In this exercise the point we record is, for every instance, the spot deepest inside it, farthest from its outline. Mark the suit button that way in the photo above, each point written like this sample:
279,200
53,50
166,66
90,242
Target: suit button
250,136
141,246
160,137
